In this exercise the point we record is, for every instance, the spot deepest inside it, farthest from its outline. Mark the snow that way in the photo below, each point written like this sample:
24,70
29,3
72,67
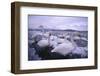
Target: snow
80,50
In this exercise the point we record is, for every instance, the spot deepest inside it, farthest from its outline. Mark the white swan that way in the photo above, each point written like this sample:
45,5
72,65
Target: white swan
70,47
43,43
64,48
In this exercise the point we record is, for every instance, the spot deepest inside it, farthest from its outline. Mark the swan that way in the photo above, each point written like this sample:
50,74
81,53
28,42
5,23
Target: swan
70,47
64,48
60,40
50,41
83,38
43,43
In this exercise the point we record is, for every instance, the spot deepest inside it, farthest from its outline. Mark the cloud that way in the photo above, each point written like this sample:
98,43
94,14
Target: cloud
58,22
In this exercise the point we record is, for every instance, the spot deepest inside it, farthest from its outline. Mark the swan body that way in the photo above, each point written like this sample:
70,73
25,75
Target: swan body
64,48
43,43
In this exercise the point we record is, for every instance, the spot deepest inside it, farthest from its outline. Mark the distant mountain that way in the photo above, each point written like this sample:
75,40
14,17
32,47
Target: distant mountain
56,30
75,30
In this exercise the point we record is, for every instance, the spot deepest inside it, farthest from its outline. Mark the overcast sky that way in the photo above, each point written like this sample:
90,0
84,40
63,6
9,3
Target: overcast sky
58,22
